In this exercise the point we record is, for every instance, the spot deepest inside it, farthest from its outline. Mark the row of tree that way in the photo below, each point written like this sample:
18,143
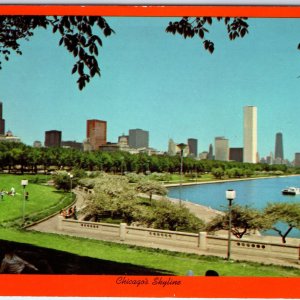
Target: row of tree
280,217
23,158
116,199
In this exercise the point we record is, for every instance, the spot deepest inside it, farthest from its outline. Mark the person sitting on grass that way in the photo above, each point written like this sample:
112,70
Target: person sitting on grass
13,264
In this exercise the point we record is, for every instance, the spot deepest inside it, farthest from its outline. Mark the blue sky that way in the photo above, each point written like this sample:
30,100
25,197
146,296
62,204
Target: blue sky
162,83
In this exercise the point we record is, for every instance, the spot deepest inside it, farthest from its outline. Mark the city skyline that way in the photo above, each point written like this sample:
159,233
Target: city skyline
161,83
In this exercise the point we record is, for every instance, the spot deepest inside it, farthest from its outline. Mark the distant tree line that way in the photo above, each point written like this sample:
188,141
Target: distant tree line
20,158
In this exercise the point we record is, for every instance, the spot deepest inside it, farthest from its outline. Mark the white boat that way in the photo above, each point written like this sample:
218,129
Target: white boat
291,191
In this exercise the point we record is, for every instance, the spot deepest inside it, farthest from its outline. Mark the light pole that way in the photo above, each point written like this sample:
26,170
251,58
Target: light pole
24,183
230,196
181,147
71,176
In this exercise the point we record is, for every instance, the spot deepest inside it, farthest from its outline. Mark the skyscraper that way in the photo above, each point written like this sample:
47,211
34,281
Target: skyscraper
250,134
172,148
210,154
193,147
96,133
52,138
138,138
221,149
278,146
297,160
2,121
236,154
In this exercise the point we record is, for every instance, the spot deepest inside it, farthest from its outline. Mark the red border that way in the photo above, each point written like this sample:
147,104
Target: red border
190,287
157,10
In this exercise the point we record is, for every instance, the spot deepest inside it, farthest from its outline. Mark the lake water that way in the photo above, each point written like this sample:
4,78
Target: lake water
255,193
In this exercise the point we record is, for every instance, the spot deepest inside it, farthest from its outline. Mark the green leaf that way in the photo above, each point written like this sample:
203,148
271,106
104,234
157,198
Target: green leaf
74,70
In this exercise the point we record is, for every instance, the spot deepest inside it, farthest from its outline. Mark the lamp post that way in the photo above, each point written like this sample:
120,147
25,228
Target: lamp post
71,177
181,147
24,183
230,196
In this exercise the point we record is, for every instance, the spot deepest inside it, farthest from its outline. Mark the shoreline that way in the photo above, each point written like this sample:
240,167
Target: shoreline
225,180
206,212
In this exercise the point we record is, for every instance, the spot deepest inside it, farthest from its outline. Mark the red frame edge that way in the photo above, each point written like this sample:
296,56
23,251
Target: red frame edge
154,10
189,287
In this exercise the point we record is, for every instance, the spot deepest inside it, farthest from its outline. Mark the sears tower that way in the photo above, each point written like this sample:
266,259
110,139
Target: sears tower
2,121
278,146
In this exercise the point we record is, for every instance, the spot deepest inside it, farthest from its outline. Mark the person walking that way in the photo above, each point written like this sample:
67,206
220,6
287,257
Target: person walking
2,194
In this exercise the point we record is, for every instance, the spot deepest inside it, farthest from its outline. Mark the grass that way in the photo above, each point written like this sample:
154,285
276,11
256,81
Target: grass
43,200
154,259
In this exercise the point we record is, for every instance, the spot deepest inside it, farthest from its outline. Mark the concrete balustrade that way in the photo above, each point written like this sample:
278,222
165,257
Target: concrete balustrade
201,243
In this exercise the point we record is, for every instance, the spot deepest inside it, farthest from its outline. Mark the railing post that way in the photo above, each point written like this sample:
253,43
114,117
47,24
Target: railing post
122,231
202,240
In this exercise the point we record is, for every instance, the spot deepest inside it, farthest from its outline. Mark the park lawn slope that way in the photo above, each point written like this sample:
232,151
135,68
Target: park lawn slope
42,201
171,262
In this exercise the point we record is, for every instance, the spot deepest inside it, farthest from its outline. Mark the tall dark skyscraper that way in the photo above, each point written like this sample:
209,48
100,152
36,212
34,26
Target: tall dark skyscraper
193,147
53,138
2,121
236,154
210,152
278,146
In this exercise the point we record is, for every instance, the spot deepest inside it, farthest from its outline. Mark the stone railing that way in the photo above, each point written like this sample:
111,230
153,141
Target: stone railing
200,243
254,246
85,189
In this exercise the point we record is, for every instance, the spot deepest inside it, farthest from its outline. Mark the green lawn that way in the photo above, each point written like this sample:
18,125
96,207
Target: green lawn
43,200
170,262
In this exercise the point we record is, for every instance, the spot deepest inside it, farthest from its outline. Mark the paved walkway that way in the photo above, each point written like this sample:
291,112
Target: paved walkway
50,225
202,212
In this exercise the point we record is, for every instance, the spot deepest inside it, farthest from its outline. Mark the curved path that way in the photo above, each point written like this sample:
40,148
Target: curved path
50,225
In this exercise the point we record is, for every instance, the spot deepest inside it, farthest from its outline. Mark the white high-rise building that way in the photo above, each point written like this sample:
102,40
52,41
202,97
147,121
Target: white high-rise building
250,134
172,148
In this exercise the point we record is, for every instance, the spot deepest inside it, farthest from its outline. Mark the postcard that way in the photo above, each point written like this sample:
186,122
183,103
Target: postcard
149,151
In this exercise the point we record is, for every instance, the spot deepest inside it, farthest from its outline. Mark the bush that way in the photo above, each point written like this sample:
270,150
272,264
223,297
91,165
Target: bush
78,173
94,174
87,182
160,176
62,181
37,179
170,216
134,177
113,197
